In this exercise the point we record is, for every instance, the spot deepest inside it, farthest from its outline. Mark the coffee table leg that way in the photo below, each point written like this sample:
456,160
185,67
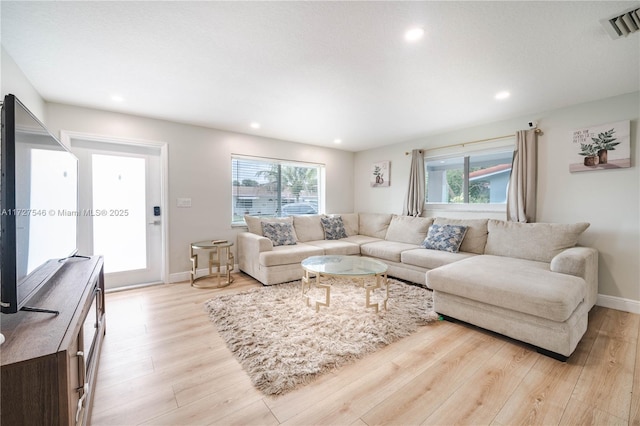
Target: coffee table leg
306,286
380,280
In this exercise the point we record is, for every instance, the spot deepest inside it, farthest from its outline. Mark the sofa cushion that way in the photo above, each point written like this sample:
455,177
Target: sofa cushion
445,237
254,223
333,228
431,259
280,234
361,239
408,229
476,237
286,255
532,241
516,284
308,227
387,250
333,247
374,224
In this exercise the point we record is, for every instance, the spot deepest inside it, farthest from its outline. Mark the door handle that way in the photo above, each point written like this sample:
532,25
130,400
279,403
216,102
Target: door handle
154,222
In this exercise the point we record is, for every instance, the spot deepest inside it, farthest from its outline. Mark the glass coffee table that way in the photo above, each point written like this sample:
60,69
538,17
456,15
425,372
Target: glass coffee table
318,267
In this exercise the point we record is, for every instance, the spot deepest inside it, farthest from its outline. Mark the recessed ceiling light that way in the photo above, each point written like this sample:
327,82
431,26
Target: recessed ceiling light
117,98
337,141
255,125
502,95
414,34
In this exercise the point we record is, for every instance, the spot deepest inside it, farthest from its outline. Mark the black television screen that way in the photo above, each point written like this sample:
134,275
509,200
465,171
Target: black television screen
39,205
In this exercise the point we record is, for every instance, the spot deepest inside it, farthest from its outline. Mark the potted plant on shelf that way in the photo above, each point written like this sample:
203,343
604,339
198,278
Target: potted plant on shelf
605,142
590,153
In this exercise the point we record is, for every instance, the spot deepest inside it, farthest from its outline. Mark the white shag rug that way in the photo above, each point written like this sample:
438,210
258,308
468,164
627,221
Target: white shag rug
283,343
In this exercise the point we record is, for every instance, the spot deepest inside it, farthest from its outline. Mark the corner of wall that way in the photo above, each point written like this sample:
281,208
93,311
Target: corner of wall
15,82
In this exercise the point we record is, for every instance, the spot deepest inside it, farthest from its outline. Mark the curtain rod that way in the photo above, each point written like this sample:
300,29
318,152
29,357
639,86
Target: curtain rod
476,141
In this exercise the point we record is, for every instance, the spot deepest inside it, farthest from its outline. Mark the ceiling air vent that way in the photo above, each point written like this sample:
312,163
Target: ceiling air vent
622,25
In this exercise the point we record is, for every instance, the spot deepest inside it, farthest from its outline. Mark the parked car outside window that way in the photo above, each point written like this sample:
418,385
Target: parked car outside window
298,208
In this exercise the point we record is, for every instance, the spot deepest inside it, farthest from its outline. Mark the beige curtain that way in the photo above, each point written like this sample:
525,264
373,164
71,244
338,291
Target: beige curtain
416,192
521,197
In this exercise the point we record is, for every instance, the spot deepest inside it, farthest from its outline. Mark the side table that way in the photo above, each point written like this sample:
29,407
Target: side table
220,257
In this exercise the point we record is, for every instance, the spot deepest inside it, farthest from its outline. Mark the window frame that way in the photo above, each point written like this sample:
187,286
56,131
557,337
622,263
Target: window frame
464,152
320,192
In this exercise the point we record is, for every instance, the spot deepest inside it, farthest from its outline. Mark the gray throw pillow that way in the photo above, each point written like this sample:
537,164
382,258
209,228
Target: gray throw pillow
280,234
333,228
445,237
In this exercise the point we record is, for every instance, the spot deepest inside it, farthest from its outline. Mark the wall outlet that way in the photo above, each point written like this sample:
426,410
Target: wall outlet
184,202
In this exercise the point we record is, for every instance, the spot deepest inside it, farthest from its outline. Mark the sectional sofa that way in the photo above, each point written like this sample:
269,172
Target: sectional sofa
528,281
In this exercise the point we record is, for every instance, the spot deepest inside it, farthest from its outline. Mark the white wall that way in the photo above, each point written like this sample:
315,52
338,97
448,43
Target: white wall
200,169
608,199
13,81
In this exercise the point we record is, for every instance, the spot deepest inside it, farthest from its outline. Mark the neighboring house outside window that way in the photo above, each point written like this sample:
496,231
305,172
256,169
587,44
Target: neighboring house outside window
271,187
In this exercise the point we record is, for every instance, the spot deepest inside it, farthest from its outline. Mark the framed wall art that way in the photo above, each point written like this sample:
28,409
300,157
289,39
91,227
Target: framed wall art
380,174
607,146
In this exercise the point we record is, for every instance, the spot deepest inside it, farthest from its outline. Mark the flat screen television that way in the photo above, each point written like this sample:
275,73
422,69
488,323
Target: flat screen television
39,206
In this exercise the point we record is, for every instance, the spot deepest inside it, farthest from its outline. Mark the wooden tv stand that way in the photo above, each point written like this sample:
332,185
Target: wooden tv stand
50,362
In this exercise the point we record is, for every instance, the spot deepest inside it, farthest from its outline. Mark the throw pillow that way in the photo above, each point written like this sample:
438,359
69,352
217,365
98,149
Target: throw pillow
445,237
280,234
333,228
254,223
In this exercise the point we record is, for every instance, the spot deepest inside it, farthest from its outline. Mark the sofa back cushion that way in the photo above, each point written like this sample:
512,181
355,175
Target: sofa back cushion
254,223
408,229
308,227
374,224
476,236
533,241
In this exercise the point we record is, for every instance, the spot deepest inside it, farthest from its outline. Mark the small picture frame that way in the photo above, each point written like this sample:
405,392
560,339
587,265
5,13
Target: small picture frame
380,175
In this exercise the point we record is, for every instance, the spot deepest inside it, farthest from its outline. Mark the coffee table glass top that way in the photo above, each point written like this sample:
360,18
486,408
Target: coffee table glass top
343,265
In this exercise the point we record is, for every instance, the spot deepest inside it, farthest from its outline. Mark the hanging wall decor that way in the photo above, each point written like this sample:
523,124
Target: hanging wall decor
380,174
601,147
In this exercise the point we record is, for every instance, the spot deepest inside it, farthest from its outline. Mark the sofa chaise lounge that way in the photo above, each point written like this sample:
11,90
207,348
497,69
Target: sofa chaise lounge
528,281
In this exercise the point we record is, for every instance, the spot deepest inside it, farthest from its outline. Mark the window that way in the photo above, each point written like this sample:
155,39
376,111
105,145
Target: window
477,178
266,187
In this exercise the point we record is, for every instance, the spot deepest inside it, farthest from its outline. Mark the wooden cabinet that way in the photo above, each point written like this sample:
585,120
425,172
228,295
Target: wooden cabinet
50,362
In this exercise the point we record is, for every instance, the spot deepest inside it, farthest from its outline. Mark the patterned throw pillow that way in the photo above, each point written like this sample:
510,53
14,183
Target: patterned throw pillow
333,228
445,237
280,234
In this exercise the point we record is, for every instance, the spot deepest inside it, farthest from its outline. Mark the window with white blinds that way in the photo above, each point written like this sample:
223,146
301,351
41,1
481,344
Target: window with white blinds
271,187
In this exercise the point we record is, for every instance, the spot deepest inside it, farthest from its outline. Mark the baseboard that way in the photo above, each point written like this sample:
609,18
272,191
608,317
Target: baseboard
186,276
619,303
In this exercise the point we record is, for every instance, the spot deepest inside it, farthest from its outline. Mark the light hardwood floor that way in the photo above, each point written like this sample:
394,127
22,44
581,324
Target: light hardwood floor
163,362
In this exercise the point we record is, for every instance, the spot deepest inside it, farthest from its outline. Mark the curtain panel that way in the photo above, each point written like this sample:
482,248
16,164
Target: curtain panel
522,193
414,201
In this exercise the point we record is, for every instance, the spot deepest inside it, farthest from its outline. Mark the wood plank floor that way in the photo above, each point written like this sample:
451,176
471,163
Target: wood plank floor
163,363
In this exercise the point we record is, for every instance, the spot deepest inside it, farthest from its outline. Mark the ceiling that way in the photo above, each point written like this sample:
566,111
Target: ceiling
313,72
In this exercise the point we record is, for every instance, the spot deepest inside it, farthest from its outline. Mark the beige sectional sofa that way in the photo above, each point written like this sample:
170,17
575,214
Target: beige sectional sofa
526,281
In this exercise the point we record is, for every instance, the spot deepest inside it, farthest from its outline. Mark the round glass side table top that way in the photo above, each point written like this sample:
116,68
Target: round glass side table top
316,267
220,258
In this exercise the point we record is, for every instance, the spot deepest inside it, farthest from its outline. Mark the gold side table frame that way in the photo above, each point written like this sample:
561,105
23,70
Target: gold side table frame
314,270
220,257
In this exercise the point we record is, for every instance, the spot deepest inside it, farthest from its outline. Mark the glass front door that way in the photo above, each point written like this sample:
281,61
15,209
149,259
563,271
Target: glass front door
120,194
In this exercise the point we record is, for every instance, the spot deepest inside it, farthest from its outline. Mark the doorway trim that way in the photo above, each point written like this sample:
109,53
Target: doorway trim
66,136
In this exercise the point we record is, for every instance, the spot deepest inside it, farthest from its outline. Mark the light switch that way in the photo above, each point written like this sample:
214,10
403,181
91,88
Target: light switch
184,202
